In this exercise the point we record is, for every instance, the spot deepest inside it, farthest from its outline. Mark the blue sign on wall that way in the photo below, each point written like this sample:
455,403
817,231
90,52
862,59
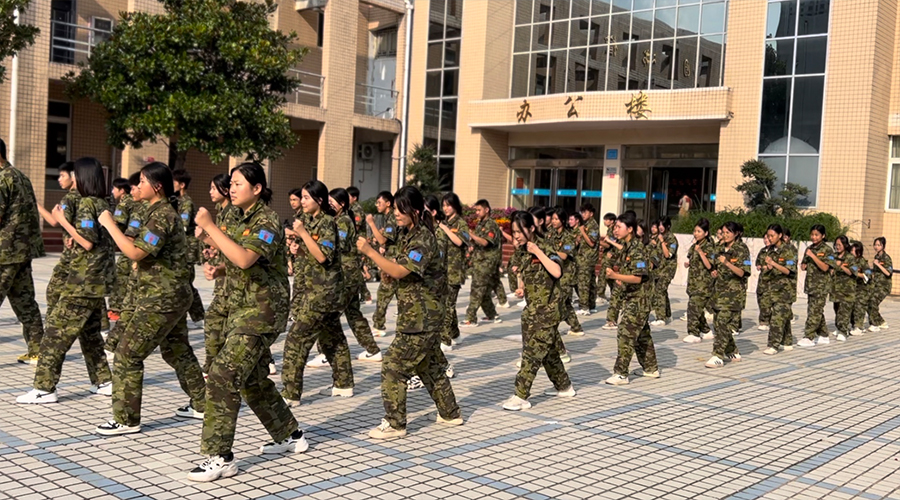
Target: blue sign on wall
542,192
520,191
566,192
592,194
634,195
612,154
712,197
658,196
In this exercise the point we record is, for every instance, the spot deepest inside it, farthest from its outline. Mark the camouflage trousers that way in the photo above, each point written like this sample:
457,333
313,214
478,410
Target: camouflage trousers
450,328
634,338
586,285
214,324
615,303
17,283
54,286
659,302
875,299
780,324
123,277
815,316
843,311
724,345
311,326
74,318
860,307
602,282
415,354
359,325
566,309
196,311
696,314
240,369
500,291
144,332
765,301
483,281
540,347
387,290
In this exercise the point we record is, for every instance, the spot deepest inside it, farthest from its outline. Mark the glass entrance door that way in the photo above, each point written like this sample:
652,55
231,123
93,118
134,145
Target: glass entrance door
568,188
544,181
654,192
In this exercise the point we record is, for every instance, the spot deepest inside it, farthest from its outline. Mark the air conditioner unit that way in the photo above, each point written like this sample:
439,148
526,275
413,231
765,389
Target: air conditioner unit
366,151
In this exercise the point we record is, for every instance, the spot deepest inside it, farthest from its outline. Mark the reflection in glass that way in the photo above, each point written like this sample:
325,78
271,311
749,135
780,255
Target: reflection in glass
435,50
556,83
619,5
520,76
811,55
713,18
575,74
688,20
445,172
448,117
433,84
618,67
523,11
560,35
451,53
813,17
522,39
779,165
642,4
451,82
538,74
432,113
435,30
806,123
665,23
540,36
561,9
542,10
773,127
620,27
712,52
639,71
662,68
804,170
642,25
600,7
779,57
599,30
578,32
781,19
596,72
580,8
685,63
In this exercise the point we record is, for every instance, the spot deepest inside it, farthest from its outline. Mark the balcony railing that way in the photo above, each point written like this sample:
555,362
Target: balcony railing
309,92
72,43
375,101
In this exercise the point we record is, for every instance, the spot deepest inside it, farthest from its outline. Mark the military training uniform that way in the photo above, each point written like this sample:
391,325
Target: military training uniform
456,276
817,287
585,263
662,307
188,210
699,286
353,281
633,336
881,287
387,289
780,285
728,298
217,312
764,297
485,270
122,216
69,205
563,241
843,290
359,220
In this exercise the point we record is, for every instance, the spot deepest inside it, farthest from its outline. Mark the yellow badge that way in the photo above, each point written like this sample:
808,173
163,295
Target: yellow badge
246,232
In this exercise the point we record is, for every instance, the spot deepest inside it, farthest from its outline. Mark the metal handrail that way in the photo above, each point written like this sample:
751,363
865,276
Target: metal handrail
307,89
366,96
73,45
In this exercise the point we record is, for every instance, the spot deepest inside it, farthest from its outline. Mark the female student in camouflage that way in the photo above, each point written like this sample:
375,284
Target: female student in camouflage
80,305
159,295
668,256
763,285
631,274
318,314
563,241
256,288
124,206
69,205
539,268
818,261
843,289
130,229
732,268
882,271
420,316
586,260
701,259
863,277
386,237
779,268
457,232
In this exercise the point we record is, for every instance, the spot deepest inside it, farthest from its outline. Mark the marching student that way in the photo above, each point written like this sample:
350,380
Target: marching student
359,219
69,205
256,287
606,256
668,256
764,297
863,276
486,258
80,304
130,227
780,264
700,264
188,211
882,271
586,261
795,275
843,288
457,231
386,237
612,247
818,262
731,271
563,241
125,205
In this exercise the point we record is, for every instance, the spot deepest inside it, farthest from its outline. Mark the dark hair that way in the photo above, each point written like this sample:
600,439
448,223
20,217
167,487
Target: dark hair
342,197
89,177
121,183
609,216
483,204
134,179
588,207
577,217
386,196
159,175
525,221
353,191
819,228
222,182
787,232
632,212
432,203
665,222
645,238
882,240
559,212
735,228
318,191
844,241
68,167
538,212
2,150
453,200
629,220
857,249
298,192
409,201
181,175
776,228
703,224
255,174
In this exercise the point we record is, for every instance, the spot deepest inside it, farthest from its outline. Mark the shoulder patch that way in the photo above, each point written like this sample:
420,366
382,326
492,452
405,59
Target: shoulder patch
63,206
831,257
389,229
640,264
185,216
117,212
593,234
416,256
246,232
151,238
567,247
790,263
673,246
342,234
490,234
134,223
748,263
87,223
266,236
327,244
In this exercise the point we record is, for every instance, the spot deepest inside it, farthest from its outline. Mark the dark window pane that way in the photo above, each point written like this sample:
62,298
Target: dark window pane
451,53
430,142
435,30
688,20
618,67
448,118
639,71
561,9
556,83
432,112
713,19
453,31
811,55
437,9
806,123
540,36
523,11
448,145
538,74
685,63
451,82
435,51
804,170
559,38
575,74
599,30
542,10
642,25
433,84
520,76
773,127
813,17
578,32
665,23
599,7
712,51
445,171
580,8
779,57
620,28
596,72
781,19
522,42
454,16
664,51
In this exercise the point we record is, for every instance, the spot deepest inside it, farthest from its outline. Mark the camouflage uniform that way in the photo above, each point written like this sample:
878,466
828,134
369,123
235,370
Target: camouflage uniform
485,269
843,290
122,216
738,319
353,280
606,258
700,286
160,294
359,219
217,312
662,307
188,212
387,289
80,305
764,297
860,307
634,331
729,297
564,242
540,320
780,285
881,287
257,305
585,263
318,312
126,308
615,291
299,263
69,205
456,276
817,287
420,316
20,242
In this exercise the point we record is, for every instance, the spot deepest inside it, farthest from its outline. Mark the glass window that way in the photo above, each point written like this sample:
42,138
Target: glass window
435,51
642,25
665,3
451,53
620,5
575,75
445,171
520,76
522,39
538,74
804,170
773,127
781,19
556,83
618,67
542,10
641,60
540,37
779,57
686,62
712,19
451,82
599,30
560,35
448,144
779,165
578,32
665,23
688,20
806,124
813,17
600,7
523,11
435,30
895,146
580,8
561,9
432,112
596,71
642,4
433,84
712,54
448,115
620,27
894,197
811,55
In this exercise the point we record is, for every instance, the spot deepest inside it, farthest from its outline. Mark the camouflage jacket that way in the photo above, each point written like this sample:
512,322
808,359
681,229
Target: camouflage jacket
391,231
20,227
818,282
880,282
162,277
456,255
346,229
668,266
564,242
187,210
299,264
780,284
611,254
765,278
443,247
700,280
324,282
730,293
87,269
122,214
541,289
795,276
843,288
226,216
418,305
257,297
586,257
359,219
632,261
69,204
491,254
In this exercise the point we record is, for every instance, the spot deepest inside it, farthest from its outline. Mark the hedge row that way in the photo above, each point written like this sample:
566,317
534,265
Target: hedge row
755,223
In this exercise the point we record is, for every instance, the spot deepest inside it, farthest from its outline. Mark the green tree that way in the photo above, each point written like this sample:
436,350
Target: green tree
14,37
422,171
760,193
206,74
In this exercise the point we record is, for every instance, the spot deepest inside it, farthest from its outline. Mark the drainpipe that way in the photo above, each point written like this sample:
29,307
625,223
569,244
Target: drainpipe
13,100
407,62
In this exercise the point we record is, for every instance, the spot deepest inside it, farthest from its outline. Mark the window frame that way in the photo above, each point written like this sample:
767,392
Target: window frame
892,160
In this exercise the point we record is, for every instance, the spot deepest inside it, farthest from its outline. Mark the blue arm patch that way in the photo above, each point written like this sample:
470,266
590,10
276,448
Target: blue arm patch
389,229
118,212
831,257
673,246
87,223
327,244
185,216
151,238
593,234
567,247
640,264
854,268
63,206
789,263
266,236
868,271
748,263
466,236
342,234
416,256
134,223
555,257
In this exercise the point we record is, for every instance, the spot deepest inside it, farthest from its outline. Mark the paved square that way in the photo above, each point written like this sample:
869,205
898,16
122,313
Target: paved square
816,423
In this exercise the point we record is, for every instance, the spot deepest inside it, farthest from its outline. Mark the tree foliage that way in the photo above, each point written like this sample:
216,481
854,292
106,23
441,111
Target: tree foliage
14,37
760,194
206,74
422,171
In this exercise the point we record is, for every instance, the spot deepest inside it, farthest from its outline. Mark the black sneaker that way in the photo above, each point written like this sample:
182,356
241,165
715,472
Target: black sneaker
213,468
188,411
113,428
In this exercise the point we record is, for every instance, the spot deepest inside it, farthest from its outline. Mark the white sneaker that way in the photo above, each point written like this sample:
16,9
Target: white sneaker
617,379
583,312
523,304
291,402
213,468
601,301
841,337
763,328
856,331
610,326
446,348
787,348
507,305
683,317
102,389
378,333
489,320
735,358
641,373
375,358
593,311
441,420
337,391
566,358
468,324
715,362
272,369
113,428
385,431
368,302
449,372
567,393
873,328
835,333
317,362
515,403
805,342
735,333
708,336
414,384
295,443
691,339
883,326
511,295
657,322
36,397
771,351
187,411
823,341
576,333
519,363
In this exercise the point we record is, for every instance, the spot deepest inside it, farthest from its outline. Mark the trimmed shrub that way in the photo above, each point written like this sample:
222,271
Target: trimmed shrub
755,223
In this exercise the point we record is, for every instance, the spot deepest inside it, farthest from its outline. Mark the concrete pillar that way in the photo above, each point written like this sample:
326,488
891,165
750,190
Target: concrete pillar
134,159
613,180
